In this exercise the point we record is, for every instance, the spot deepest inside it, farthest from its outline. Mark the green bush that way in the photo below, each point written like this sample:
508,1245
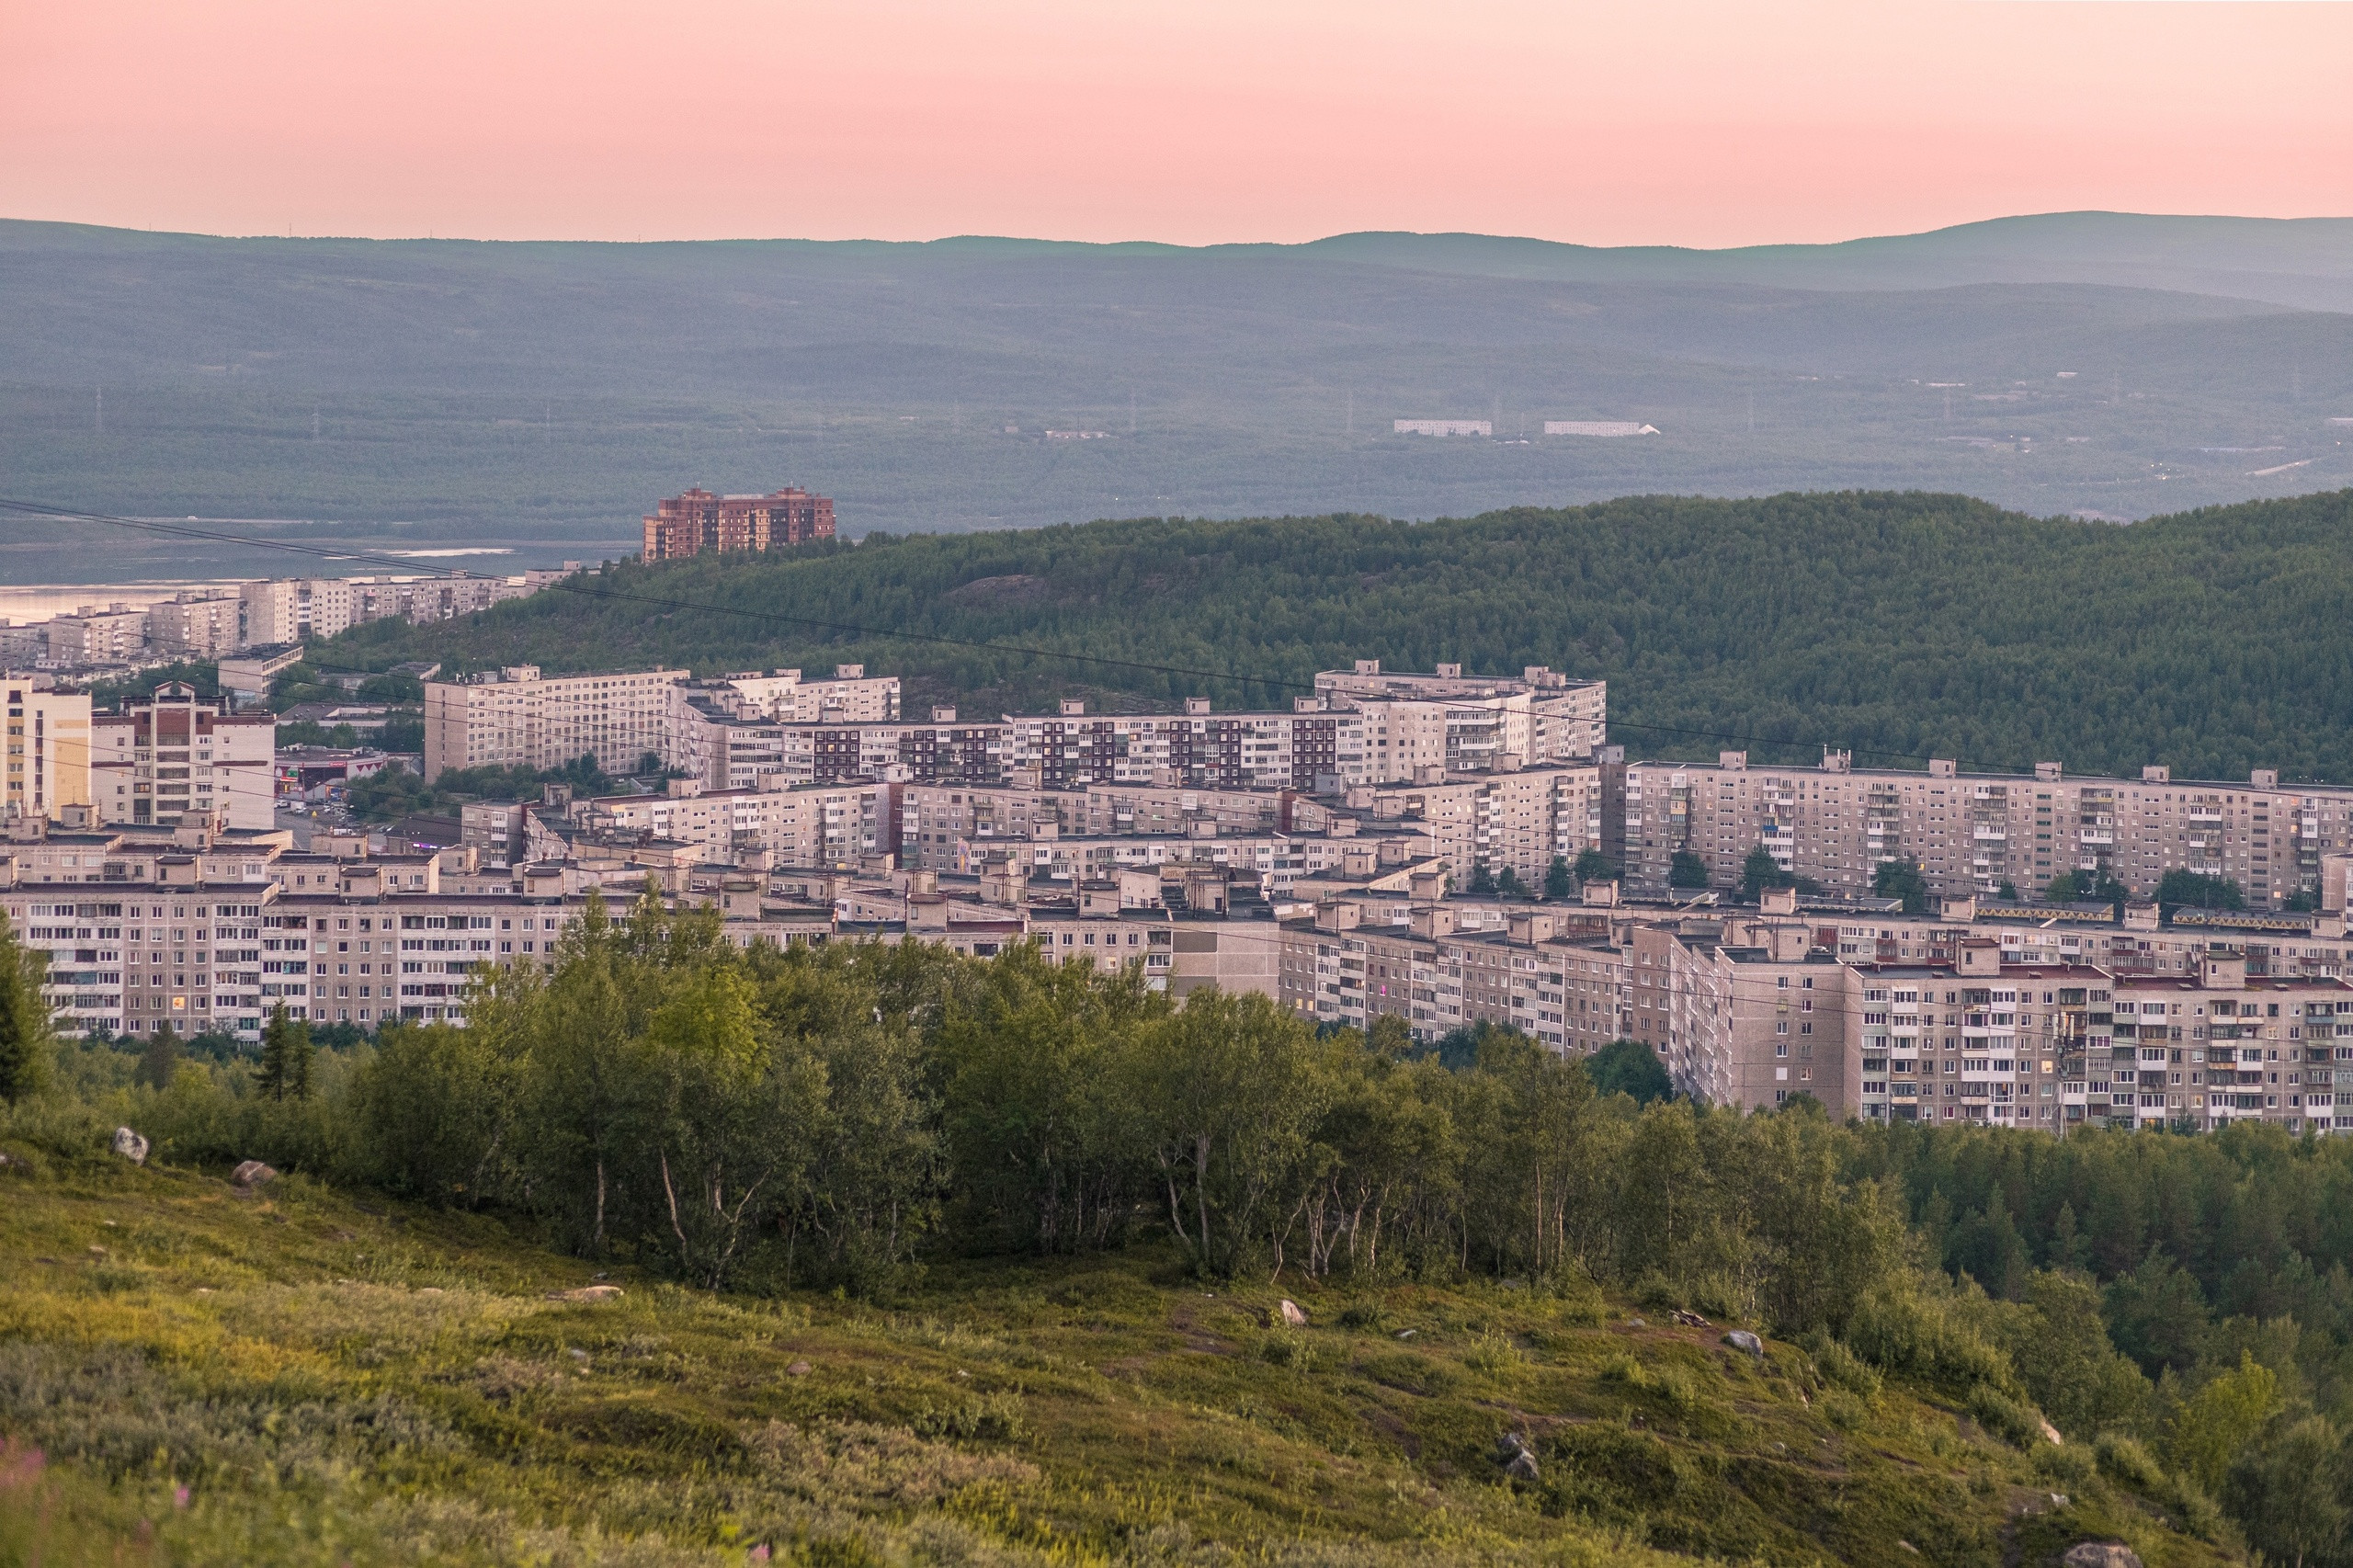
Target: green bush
1901,1331
2014,1421
2123,1459
1843,1369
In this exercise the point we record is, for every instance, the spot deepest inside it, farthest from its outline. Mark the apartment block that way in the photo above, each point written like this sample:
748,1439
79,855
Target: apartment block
1520,821
115,635
699,521
49,750
1972,832
2223,1045
192,626
1465,723
1746,1017
851,697
516,717
296,610
176,754
817,825
1199,749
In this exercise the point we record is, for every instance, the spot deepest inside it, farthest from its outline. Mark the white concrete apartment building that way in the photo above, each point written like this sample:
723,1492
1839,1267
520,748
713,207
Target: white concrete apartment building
810,825
177,754
2221,1045
1465,723
49,750
1971,832
1743,1018
1532,975
1520,820
197,626
786,697
295,609
951,827
517,717
94,636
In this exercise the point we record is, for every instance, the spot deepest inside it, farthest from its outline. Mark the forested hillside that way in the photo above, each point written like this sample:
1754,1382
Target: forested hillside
1900,626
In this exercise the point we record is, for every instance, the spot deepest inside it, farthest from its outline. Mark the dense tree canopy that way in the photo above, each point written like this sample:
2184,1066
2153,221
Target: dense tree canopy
1900,626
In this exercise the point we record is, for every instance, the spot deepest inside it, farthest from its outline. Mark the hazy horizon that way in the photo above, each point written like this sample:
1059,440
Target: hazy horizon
1702,123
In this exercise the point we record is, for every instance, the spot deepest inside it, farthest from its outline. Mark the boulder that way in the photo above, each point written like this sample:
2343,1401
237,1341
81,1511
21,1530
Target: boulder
1522,1465
130,1145
1507,1444
2101,1554
1741,1339
586,1293
252,1173
2050,1435
1292,1316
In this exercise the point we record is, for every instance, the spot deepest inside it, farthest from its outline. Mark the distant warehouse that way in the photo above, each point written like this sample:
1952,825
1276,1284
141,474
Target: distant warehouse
1446,427
699,521
1597,428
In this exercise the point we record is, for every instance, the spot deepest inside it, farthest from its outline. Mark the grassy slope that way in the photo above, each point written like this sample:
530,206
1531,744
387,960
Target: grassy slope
338,1382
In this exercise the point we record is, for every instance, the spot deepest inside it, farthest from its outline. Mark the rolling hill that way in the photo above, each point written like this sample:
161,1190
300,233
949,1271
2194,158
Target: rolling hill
2113,364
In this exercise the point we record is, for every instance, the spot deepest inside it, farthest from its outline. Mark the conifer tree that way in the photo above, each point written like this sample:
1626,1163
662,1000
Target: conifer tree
276,1045
161,1059
302,1056
25,1043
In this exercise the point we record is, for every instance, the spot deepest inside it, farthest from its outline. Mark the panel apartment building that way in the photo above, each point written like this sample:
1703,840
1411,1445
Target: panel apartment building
176,752
1364,727
1970,833
517,717
1467,723
49,750
699,521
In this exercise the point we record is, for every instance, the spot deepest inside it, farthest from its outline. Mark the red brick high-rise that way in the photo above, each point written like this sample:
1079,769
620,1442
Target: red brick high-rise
697,522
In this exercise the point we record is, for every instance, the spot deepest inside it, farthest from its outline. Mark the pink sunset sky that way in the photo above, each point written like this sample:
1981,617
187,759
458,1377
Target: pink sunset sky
1702,123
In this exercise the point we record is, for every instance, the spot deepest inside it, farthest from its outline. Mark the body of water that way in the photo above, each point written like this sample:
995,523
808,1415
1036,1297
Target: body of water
45,572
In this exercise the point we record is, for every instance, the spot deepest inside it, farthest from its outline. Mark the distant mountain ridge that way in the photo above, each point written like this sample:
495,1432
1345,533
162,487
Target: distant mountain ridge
2065,362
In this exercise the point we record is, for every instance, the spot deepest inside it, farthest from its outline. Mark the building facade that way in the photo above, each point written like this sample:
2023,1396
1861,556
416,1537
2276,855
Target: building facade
176,754
699,521
1973,832
516,717
49,750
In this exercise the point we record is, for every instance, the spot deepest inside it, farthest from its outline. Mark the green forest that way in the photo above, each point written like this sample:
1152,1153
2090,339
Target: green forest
1899,626
907,1257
